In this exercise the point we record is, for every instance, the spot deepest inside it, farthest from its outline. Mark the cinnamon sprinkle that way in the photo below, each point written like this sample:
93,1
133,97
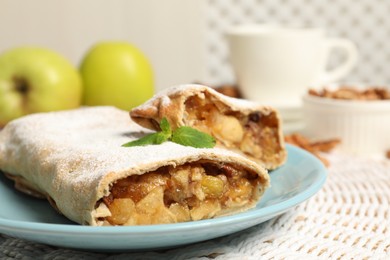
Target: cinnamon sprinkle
314,147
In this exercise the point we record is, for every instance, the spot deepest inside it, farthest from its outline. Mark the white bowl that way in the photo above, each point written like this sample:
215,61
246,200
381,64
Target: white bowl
362,126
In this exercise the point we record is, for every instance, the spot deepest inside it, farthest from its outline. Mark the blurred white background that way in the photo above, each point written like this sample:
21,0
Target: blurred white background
366,22
168,32
184,40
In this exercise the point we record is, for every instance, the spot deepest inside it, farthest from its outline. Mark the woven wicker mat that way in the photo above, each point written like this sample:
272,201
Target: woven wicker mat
349,218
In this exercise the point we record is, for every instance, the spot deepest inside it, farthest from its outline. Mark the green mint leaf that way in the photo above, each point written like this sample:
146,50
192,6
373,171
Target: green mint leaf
155,138
162,137
189,136
184,135
165,126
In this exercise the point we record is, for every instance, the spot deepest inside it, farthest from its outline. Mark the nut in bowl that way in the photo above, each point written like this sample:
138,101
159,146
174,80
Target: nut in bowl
358,115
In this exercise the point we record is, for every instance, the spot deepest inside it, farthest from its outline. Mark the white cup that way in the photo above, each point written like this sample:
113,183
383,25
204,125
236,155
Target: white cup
275,65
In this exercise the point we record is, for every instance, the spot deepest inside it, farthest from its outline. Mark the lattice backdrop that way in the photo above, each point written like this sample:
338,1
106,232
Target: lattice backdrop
366,22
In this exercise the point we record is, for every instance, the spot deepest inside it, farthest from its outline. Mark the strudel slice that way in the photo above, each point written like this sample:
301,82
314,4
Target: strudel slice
239,125
75,160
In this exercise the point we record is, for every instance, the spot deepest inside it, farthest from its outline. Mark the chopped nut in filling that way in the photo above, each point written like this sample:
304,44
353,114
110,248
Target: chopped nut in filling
188,192
256,135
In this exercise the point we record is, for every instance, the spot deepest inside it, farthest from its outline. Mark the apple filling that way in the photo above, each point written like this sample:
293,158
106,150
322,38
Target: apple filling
255,135
189,192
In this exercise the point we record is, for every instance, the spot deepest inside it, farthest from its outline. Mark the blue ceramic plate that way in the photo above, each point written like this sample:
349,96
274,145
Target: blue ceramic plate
32,219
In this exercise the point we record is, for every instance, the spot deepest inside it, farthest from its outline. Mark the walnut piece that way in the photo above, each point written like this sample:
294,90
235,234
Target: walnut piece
351,93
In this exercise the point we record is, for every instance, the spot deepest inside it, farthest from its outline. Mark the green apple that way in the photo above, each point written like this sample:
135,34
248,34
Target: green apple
34,79
117,74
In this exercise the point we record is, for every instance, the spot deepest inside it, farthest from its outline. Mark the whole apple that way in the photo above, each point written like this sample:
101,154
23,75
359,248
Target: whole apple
34,79
118,74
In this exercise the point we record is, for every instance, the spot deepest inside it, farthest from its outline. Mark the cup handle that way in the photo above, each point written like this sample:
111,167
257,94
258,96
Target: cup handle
344,68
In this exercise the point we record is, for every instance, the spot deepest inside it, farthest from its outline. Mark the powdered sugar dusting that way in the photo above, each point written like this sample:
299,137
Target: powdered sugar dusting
69,154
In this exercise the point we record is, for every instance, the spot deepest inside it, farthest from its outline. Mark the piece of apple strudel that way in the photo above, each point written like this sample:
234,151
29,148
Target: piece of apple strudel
239,125
75,160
